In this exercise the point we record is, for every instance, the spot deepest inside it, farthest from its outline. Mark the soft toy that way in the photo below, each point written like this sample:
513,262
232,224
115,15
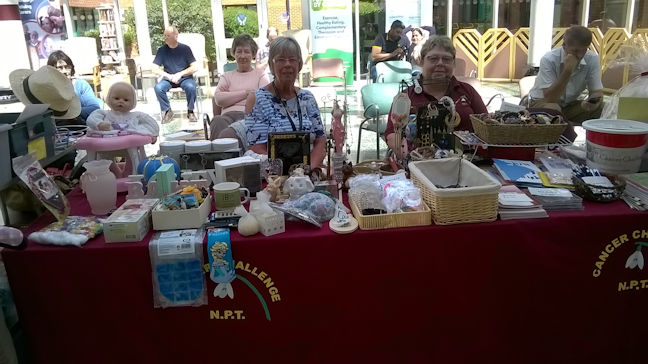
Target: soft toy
122,98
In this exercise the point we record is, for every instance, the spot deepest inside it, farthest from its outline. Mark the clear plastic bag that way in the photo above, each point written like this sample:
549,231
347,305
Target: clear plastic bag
636,55
42,185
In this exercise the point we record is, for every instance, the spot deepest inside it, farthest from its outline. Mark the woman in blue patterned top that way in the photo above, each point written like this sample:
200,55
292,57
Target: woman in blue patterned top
282,107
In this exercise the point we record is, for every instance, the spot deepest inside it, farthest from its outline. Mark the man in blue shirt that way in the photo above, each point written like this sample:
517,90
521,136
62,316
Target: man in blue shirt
175,65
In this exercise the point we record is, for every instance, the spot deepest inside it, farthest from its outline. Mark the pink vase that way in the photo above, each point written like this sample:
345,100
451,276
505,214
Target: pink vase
100,186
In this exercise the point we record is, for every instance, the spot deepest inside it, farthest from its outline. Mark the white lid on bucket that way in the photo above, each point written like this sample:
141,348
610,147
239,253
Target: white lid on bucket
616,126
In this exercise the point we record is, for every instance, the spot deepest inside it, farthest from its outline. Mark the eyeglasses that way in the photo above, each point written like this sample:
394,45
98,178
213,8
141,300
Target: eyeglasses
286,60
436,59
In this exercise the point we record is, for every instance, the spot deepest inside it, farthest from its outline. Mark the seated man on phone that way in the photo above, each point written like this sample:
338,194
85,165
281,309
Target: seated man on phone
564,73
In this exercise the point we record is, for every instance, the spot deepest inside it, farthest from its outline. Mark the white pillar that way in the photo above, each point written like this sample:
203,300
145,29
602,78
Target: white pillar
495,18
219,33
426,12
165,14
541,30
118,31
11,29
357,40
142,29
449,19
629,15
262,17
585,13
69,24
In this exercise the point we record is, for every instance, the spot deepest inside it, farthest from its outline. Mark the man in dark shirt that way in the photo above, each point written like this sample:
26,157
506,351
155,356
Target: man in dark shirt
175,65
388,47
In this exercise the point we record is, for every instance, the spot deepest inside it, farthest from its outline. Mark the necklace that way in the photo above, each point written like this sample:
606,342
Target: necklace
285,106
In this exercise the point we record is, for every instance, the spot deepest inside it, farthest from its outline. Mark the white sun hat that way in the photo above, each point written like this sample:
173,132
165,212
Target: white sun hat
46,86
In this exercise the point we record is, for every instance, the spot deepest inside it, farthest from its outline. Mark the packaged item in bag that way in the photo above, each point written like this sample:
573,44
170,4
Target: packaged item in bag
41,184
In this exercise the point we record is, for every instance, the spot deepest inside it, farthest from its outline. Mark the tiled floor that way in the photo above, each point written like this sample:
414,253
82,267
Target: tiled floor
324,96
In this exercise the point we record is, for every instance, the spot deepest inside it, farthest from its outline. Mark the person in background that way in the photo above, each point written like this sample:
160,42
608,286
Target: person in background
262,54
282,107
83,90
418,39
175,66
565,73
437,81
234,86
390,46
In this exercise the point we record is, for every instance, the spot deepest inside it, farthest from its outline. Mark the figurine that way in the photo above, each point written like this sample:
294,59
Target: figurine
122,98
298,184
338,127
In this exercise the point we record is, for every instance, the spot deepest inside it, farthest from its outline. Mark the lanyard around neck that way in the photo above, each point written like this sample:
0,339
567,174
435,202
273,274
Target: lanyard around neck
285,106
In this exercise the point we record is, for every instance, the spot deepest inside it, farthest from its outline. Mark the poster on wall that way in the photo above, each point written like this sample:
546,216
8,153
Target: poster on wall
43,25
403,10
332,28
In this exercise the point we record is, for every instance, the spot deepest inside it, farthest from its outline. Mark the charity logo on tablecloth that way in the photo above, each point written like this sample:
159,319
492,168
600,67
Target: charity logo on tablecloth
632,247
224,271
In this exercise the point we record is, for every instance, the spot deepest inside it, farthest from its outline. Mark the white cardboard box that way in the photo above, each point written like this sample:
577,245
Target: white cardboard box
130,222
181,219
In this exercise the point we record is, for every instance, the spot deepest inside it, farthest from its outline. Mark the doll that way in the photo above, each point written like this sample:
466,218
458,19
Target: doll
122,98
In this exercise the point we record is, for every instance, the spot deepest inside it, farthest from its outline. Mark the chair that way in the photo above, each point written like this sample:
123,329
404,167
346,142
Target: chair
526,84
393,71
83,53
303,37
230,66
330,68
377,99
132,146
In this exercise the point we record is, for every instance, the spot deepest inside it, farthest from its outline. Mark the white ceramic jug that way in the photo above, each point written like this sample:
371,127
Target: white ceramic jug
100,186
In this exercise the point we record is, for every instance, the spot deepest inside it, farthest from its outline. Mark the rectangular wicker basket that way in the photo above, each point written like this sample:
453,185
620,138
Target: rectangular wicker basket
477,202
516,133
388,221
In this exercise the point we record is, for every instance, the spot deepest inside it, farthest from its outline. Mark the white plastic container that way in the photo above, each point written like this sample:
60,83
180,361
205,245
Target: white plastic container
615,146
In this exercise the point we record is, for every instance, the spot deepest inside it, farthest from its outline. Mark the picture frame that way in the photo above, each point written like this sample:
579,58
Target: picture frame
291,148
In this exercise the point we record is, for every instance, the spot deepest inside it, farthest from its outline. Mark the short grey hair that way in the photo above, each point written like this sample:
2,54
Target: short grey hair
283,45
441,41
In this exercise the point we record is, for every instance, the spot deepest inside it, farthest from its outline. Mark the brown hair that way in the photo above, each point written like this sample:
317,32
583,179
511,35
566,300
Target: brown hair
578,35
243,40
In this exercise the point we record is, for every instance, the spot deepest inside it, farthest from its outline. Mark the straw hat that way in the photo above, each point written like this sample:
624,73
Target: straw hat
46,86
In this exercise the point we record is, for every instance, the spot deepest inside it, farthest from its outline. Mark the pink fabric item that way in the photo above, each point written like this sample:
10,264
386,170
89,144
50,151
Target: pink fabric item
234,86
116,143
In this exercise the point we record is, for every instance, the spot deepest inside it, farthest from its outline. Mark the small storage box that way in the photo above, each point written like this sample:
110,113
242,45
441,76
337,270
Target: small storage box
181,219
389,221
32,130
477,202
130,222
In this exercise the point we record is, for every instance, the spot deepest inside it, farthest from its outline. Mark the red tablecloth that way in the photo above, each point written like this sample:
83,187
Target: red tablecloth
543,290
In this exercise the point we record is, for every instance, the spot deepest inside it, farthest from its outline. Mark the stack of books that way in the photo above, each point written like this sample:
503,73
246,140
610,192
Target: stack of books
522,173
556,198
636,190
515,204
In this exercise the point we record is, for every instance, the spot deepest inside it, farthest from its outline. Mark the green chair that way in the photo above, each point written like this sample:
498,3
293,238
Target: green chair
377,100
229,66
393,71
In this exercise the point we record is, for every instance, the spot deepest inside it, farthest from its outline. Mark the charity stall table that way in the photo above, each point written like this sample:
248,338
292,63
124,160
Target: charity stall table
540,290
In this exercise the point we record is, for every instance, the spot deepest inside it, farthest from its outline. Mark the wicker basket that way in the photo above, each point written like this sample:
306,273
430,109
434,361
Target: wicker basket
477,202
516,133
388,221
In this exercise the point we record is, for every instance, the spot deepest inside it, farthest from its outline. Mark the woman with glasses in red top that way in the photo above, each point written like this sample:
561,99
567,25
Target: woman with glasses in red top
437,80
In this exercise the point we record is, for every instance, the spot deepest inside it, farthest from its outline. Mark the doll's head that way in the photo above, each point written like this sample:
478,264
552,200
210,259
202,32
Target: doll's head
121,97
